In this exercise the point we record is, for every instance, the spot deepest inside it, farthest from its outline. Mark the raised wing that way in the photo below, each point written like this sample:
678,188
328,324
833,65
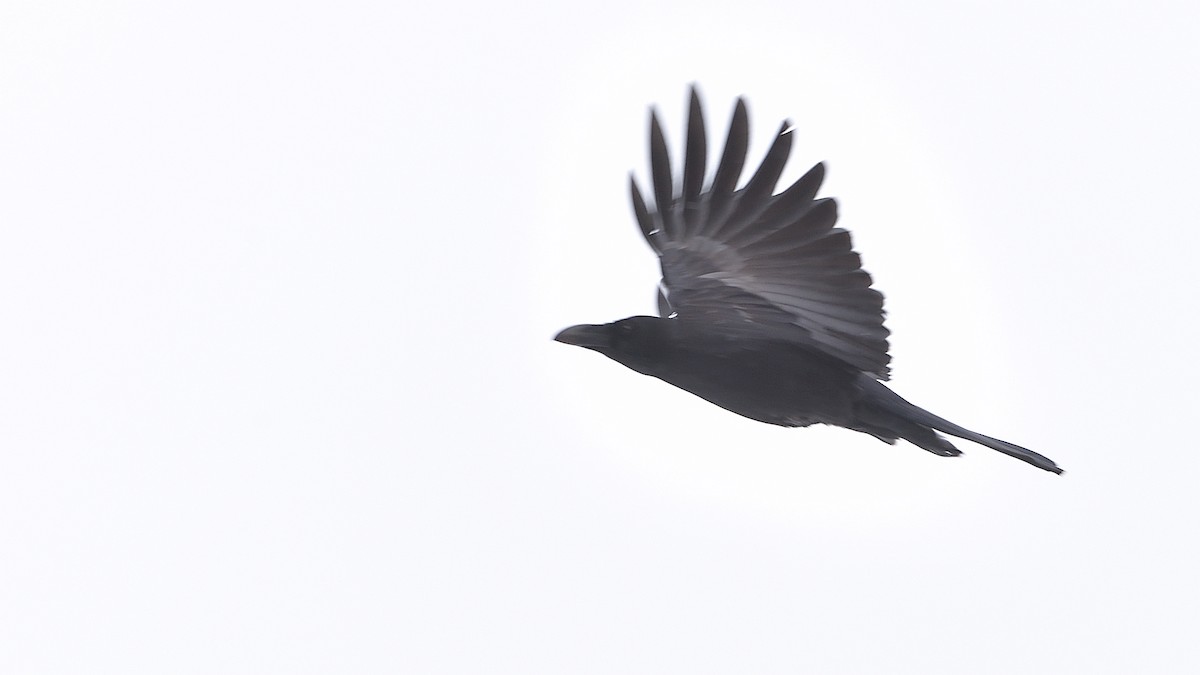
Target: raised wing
750,259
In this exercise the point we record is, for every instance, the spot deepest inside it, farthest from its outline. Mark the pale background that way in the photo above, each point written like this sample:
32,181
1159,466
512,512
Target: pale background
278,394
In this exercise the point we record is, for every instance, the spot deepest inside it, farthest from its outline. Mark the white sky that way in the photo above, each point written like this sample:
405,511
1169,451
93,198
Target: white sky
278,394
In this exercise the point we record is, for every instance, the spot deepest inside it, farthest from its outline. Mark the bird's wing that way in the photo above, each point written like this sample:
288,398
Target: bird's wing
752,259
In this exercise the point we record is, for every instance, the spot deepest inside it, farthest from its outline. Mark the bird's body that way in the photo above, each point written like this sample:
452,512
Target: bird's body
765,379
765,309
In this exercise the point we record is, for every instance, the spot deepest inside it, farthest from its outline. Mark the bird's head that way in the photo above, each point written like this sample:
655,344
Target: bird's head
639,342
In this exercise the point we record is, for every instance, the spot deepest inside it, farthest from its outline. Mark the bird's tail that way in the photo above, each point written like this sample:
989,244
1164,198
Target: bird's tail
883,409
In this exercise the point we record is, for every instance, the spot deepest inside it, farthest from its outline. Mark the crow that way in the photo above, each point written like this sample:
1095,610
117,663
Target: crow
764,308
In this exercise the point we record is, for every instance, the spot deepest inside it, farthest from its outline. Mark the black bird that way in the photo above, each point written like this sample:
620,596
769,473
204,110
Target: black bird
764,307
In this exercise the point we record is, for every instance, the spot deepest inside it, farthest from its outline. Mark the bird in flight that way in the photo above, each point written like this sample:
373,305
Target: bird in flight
764,308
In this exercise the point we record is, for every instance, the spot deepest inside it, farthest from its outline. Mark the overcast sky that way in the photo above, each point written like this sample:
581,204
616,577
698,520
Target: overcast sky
278,394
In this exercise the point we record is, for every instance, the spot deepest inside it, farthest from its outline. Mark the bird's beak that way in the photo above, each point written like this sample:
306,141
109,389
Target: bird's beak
584,335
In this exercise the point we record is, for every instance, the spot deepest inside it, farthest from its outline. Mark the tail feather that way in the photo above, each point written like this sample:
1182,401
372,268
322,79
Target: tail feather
917,426
926,439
